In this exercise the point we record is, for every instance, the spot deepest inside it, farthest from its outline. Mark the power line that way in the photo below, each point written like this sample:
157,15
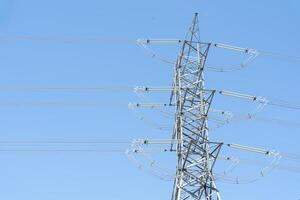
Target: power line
66,145
285,104
69,39
284,167
62,104
66,88
95,89
66,141
281,56
126,40
64,150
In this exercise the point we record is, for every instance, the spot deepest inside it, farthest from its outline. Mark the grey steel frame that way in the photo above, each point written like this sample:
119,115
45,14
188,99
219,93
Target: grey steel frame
196,155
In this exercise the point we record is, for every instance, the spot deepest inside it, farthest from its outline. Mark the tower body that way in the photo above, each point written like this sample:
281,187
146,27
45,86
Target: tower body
196,155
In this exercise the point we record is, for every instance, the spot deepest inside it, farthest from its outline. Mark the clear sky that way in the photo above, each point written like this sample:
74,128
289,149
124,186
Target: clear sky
114,62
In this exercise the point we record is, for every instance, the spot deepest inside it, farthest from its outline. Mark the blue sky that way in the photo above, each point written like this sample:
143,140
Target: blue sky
115,61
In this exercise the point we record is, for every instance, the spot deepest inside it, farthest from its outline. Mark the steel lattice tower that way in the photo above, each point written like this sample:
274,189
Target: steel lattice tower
196,155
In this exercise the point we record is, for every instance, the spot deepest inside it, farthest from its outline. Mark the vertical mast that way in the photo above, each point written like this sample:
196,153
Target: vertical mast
196,155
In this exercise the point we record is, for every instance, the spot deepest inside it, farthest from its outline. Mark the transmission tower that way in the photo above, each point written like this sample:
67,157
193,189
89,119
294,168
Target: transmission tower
196,154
